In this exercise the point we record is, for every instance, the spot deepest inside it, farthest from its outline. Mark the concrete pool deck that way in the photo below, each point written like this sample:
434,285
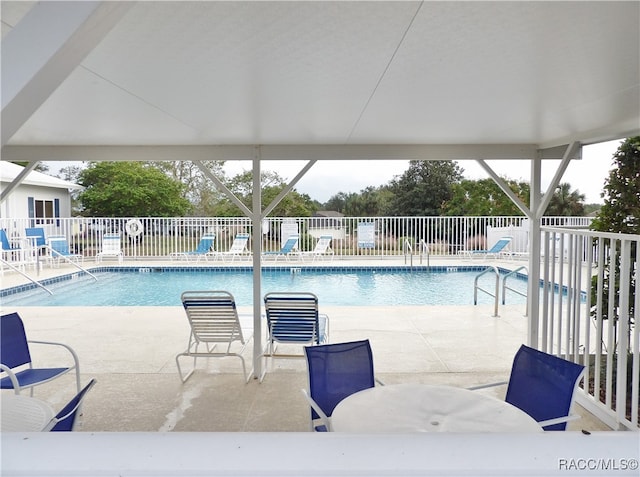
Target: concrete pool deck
131,352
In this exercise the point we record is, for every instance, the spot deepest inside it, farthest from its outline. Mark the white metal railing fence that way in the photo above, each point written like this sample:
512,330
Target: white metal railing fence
595,321
147,238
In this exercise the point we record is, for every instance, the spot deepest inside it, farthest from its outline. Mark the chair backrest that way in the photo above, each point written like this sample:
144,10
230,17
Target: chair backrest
38,233
338,370
323,243
59,244
292,317
213,316
239,243
4,240
499,245
14,349
206,243
543,385
290,244
65,420
111,243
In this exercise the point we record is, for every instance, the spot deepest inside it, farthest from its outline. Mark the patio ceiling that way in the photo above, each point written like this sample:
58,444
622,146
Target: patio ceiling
316,80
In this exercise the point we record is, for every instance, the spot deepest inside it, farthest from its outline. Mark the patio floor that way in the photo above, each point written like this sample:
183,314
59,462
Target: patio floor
131,352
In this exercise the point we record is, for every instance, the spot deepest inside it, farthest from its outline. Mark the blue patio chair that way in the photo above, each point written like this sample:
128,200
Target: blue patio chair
336,371
543,386
494,251
289,248
66,419
205,248
37,234
10,252
16,369
293,318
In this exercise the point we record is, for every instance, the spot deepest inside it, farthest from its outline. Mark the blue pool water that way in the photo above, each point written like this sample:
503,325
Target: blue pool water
367,286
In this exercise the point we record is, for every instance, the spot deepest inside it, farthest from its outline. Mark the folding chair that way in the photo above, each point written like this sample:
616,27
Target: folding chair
67,418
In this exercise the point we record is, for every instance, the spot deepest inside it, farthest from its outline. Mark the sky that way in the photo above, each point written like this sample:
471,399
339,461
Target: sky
327,178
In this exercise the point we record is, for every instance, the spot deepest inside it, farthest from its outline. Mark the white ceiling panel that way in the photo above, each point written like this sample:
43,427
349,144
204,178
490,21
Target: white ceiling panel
313,73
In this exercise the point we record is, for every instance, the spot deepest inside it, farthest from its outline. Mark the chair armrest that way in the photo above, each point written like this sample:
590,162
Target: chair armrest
12,377
325,420
490,385
69,348
558,420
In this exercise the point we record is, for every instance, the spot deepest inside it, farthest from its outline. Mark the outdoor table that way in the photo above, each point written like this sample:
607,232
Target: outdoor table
24,413
428,408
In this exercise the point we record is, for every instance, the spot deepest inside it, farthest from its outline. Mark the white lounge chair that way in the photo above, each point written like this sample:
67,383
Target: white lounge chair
214,320
322,248
238,248
110,248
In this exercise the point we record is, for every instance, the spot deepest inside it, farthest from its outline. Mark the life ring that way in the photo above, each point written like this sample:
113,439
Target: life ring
134,227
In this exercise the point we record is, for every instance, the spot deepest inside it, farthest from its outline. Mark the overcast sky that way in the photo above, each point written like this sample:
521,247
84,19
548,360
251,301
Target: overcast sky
327,178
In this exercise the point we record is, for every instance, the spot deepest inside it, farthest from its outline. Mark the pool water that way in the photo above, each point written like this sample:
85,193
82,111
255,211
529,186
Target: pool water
368,286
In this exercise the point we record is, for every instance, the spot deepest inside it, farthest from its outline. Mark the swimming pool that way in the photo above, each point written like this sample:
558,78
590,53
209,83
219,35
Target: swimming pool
340,286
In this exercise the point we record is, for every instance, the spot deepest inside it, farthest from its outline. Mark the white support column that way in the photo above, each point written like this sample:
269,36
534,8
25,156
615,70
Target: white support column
533,284
256,220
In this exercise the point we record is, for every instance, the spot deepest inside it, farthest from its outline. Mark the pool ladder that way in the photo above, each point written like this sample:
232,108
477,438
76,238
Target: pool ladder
408,250
496,293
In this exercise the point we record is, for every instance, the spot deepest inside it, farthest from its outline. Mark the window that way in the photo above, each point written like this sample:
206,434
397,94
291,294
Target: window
43,211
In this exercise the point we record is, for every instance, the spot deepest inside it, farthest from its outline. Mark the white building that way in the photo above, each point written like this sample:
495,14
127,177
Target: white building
39,196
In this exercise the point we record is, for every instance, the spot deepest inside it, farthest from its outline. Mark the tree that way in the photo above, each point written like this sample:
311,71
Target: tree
423,188
484,198
130,189
620,214
566,203
293,204
199,189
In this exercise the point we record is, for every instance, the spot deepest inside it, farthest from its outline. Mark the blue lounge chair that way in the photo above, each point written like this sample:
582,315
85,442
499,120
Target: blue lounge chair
66,419
204,249
543,386
289,248
494,251
293,318
17,369
59,247
335,372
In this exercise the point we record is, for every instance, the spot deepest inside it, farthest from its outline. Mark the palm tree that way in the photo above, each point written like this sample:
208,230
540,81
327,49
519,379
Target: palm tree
566,203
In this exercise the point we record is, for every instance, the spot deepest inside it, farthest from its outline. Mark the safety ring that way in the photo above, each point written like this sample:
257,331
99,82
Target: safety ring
134,227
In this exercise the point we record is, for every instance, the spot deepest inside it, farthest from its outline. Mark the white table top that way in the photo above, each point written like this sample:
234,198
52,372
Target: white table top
23,413
428,408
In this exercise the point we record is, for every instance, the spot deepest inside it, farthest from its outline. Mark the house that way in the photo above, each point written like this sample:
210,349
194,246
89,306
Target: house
39,196
327,222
